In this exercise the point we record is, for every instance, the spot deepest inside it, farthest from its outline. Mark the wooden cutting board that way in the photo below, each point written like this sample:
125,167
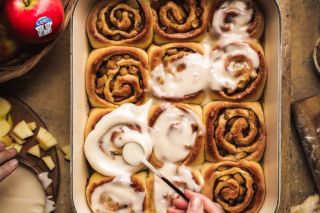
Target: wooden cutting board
306,114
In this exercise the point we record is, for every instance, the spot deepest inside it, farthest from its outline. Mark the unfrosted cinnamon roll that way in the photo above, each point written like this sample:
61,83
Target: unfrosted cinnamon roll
161,195
234,131
120,22
177,134
174,68
242,69
236,186
117,75
179,20
118,194
242,18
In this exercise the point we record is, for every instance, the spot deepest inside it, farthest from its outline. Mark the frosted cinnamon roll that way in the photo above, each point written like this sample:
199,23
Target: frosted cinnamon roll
161,195
179,20
236,186
95,116
174,68
104,144
242,18
177,134
117,75
242,71
117,194
120,22
234,131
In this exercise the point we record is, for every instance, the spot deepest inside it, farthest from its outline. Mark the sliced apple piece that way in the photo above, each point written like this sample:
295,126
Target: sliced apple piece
35,151
4,128
66,151
49,162
32,126
18,147
22,130
45,139
17,139
5,107
6,140
9,119
67,156
10,146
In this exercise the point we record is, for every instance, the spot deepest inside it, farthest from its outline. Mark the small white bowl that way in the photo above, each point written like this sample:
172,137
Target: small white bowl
316,54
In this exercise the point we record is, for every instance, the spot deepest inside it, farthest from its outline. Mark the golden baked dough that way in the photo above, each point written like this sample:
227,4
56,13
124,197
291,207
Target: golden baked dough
94,117
120,23
236,186
117,75
234,131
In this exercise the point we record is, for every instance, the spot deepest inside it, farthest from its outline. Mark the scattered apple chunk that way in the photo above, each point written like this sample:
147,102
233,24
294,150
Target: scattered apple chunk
45,139
35,151
9,120
49,162
18,147
4,128
66,151
17,139
5,107
22,130
6,140
32,126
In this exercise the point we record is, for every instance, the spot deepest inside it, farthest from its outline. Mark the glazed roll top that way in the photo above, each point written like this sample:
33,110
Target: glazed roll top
237,18
116,194
117,75
234,131
236,186
179,20
119,22
177,134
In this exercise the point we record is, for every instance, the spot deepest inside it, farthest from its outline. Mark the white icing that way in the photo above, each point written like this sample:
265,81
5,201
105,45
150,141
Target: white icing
238,26
133,154
99,149
121,193
176,174
44,179
49,207
172,133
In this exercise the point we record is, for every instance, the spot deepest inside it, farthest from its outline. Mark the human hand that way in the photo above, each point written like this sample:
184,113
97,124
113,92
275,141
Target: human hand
7,164
198,204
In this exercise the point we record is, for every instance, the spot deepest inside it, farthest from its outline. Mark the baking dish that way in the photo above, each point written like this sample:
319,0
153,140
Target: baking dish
271,104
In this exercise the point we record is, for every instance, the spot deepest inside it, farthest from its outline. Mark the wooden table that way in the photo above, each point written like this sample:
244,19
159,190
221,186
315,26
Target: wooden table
47,90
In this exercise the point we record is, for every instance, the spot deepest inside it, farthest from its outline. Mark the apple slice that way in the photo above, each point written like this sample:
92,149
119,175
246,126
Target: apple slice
18,147
35,151
22,130
9,119
66,151
6,140
49,162
17,139
32,126
45,139
4,128
5,107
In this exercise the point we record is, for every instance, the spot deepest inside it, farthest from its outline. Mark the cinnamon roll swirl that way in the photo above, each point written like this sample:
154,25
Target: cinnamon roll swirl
118,194
161,195
243,68
120,23
177,134
117,75
242,18
173,68
236,186
175,20
234,131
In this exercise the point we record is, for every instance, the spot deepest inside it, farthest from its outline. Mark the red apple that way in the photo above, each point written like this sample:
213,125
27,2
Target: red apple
8,46
34,21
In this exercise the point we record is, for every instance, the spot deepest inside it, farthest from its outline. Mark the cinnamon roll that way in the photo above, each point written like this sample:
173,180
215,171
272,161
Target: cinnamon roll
177,134
104,144
242,69
175,20
117,194
174,68
242,18
234,131
95,116
236,186
161,195
117,75
120,23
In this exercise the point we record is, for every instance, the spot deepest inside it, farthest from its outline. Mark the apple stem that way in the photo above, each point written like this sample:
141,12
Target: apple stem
26,3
